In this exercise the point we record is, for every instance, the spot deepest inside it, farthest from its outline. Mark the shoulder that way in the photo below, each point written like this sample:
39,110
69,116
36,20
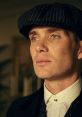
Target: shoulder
28,99
25,103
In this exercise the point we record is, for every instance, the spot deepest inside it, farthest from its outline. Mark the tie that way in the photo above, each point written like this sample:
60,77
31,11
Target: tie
56,109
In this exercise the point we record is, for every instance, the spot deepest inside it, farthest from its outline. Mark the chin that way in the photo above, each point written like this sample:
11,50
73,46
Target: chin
43,75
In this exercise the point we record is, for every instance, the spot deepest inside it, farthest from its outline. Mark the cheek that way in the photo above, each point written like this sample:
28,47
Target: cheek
62,52
32,52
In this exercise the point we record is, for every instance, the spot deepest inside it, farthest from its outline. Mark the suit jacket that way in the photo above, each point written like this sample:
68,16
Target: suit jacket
34,106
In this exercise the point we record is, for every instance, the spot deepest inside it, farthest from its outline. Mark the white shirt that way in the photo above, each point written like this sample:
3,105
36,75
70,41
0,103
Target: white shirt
59,104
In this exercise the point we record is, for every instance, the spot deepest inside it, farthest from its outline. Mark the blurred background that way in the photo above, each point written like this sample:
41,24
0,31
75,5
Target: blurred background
17,76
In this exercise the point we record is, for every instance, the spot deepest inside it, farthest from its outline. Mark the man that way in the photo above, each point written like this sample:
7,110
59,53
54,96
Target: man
55,33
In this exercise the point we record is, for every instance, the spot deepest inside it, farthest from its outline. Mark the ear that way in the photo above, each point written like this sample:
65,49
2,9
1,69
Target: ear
80,50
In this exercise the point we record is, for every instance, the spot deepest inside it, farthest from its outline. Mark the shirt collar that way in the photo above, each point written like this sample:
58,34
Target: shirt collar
68,95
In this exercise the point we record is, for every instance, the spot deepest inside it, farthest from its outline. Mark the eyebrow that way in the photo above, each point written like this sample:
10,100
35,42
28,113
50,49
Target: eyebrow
32,33
52,29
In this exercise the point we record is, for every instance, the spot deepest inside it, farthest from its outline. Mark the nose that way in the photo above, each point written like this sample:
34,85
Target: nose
42,46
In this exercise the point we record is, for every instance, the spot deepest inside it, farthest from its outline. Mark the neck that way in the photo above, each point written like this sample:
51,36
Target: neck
55,86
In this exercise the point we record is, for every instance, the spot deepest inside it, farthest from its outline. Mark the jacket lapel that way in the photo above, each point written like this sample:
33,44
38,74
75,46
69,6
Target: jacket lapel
75,109
42,112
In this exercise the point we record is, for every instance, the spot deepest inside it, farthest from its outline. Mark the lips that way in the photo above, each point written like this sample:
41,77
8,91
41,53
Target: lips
42,62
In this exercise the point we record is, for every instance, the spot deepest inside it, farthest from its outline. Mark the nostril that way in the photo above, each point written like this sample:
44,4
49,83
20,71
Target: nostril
41,48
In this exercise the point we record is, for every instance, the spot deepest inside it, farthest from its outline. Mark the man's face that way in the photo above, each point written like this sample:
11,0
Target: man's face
54,52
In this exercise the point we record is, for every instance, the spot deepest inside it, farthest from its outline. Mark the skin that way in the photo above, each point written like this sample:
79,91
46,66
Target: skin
55,56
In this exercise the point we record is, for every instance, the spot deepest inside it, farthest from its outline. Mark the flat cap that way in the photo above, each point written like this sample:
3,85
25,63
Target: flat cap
57,15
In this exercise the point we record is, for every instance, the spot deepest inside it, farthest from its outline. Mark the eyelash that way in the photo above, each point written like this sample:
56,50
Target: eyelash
33,38
51,36
54,36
